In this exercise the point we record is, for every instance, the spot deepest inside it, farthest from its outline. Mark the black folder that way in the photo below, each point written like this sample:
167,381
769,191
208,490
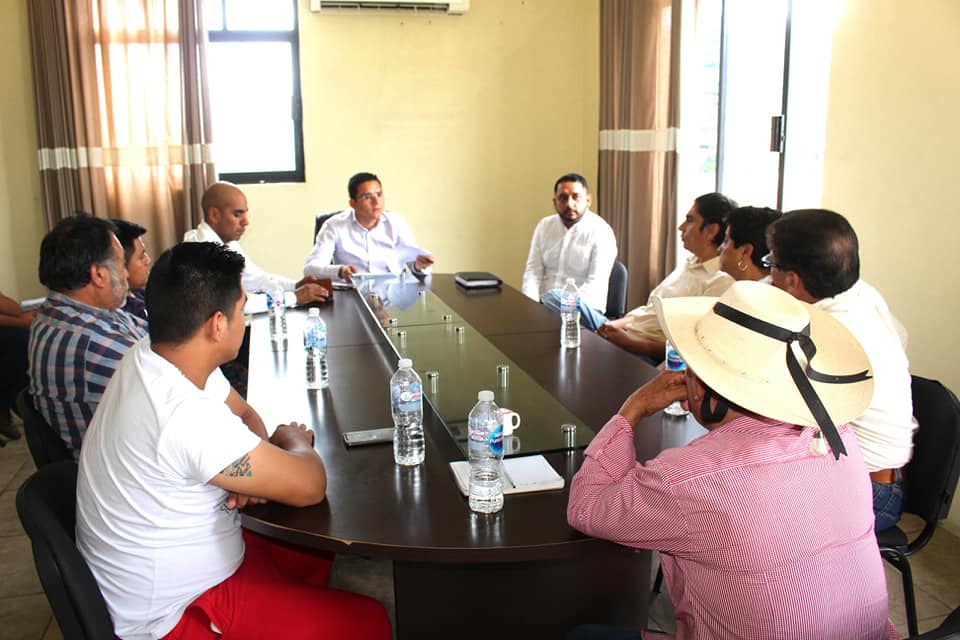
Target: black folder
477,280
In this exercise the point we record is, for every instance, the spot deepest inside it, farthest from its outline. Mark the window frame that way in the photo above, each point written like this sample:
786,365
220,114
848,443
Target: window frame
298,174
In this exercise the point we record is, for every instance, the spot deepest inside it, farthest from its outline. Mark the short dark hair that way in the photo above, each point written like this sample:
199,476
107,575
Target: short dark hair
358,179
74,245
127,232
819,246
189,283
571,177
714,209
749,224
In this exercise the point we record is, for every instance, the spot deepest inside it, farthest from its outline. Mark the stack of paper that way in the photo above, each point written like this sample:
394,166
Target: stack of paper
520,475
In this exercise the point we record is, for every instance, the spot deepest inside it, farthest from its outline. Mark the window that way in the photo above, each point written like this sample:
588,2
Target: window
254,67
743,56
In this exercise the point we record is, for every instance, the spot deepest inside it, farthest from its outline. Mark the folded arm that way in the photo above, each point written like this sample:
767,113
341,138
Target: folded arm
284,469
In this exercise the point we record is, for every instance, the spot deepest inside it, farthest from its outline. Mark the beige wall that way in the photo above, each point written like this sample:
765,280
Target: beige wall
21,227
467,120
891,165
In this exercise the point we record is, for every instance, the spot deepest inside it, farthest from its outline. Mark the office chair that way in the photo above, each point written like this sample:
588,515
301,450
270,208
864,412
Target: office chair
931,477
320,219
949,629
617,291
46,504
46,446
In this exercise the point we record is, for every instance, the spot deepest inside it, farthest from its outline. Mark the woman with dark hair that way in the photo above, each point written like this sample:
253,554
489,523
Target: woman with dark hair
746,243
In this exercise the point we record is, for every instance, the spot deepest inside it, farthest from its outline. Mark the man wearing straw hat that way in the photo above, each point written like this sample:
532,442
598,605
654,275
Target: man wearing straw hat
764,525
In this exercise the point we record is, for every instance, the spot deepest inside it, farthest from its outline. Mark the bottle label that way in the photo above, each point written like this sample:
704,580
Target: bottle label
568,302
407,398
673,361
495,440
315,338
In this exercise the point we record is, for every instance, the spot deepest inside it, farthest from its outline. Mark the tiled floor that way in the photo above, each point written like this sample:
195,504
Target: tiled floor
25,614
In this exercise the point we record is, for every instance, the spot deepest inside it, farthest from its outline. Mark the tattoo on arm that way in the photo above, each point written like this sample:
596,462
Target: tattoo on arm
239,468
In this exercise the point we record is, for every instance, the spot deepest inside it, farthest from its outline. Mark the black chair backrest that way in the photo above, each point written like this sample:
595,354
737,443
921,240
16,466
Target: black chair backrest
934,468
46,504
321,218
617,291
46,445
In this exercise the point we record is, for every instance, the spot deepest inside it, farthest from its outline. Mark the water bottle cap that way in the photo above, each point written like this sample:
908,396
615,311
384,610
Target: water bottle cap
571,281
313,312
405,363
485,396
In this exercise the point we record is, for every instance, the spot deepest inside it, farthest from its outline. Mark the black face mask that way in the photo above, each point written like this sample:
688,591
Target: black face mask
715,414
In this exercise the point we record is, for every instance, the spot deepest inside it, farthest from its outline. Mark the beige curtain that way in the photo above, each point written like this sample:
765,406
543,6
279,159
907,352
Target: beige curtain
123,111
639,107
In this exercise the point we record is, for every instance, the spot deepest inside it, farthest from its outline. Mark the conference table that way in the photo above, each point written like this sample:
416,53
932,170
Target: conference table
522,572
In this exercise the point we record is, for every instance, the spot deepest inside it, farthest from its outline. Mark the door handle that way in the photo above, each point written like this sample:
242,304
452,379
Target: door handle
776,133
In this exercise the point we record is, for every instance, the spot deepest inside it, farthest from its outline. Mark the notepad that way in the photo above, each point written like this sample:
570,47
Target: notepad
520,475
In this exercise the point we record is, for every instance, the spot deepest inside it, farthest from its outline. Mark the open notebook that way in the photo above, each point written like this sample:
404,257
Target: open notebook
520,475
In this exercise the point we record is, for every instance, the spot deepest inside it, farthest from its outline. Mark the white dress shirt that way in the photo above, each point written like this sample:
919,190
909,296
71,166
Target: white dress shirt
690,278
585,252
885,431
344,241
254,279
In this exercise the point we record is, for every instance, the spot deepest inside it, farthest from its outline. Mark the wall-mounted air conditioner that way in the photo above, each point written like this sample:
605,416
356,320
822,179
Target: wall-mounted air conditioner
450,6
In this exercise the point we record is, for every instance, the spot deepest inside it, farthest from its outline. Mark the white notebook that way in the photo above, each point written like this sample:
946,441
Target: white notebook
520,475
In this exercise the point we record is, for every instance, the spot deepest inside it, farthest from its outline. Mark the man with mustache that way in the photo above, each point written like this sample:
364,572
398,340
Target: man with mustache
576,243
80,333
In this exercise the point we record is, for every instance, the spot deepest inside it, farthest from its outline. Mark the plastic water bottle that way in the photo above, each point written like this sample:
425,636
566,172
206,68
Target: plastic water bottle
570,314
485,447
315,344
673,362
406,401
276,307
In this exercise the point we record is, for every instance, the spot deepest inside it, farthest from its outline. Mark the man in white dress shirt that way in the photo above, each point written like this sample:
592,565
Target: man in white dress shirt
815,256
701,232
364,238
576,243
225,218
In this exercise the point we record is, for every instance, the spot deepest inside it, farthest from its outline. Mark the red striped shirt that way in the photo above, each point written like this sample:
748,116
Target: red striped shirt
759,538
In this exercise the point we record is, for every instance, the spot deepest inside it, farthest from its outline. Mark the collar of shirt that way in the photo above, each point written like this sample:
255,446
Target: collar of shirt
382,221
56,299
711,266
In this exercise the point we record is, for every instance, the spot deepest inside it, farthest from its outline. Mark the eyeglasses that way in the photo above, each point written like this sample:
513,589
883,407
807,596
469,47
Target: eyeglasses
767,261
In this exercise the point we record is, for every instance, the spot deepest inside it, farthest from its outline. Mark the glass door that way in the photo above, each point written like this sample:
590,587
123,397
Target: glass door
754,65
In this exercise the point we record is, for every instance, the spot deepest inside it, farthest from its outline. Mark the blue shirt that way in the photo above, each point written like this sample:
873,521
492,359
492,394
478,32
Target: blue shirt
74,350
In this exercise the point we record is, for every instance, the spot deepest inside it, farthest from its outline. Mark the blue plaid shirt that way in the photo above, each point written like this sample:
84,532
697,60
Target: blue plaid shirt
74,350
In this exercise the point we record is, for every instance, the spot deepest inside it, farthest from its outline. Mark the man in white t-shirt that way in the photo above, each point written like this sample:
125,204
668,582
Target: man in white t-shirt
815,256
225,219
576,243
701,232
173,452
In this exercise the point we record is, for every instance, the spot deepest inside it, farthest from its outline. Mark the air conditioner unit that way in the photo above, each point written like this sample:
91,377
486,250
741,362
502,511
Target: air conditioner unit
456,7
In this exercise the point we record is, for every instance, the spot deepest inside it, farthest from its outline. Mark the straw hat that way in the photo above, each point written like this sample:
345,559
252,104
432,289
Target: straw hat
778,357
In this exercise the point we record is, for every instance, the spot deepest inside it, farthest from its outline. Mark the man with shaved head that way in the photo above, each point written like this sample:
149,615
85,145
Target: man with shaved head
225,218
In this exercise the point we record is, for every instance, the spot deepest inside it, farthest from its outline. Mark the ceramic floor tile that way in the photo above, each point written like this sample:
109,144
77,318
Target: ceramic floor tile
12,458
660,613
53,631
366,576
9,521
24,617
18,575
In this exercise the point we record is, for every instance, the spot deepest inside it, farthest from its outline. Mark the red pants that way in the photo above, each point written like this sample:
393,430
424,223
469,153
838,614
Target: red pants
281,593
